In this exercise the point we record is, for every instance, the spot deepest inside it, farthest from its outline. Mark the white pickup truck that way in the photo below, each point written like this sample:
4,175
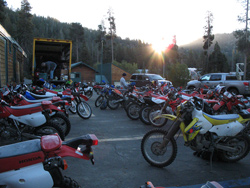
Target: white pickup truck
224,79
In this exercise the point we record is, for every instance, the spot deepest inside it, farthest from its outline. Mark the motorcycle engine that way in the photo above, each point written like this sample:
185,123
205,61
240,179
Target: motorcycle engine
200,143
6,132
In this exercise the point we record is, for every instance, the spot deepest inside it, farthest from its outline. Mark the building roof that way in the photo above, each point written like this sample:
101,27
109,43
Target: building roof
6,35
84,64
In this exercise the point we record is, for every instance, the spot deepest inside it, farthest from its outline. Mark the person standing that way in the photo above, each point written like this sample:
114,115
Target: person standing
50,68
123,81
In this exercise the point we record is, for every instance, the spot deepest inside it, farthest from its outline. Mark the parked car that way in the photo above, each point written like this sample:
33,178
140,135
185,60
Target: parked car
228,80
143,79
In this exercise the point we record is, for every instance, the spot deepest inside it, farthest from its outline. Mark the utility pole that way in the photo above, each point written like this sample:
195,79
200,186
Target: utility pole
245,65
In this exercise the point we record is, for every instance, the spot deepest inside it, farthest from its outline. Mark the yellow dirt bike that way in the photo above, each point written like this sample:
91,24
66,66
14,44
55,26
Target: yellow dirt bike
223,134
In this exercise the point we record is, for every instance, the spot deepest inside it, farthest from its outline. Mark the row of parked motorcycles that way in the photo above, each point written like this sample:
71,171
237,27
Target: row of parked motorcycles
34,122
211,121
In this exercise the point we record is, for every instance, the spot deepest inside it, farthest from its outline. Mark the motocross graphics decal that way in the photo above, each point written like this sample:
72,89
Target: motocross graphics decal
16,162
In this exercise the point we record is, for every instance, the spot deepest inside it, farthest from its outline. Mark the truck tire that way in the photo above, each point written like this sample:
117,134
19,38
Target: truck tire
233,90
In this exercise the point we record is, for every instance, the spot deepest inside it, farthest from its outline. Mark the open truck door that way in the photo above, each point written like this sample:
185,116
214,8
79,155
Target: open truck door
56,50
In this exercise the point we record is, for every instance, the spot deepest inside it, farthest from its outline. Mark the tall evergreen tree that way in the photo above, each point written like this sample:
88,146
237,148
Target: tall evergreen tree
112,31
77,36
2,10
25,32
208,38
217,60
242,36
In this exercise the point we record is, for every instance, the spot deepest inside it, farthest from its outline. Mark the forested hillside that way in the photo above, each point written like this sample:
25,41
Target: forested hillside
89,45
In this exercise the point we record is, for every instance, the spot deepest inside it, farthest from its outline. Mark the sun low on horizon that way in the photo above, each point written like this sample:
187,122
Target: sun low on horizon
161,45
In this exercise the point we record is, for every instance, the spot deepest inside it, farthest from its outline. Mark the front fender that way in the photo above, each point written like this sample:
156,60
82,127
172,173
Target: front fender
167,116
84,97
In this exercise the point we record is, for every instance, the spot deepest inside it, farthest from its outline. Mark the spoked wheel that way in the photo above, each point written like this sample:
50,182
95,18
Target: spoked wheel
60,119
240,143
84,110
153,112
89,94
50,128
72,109
143,114
111,102
99,100
153,153
68,182
133,111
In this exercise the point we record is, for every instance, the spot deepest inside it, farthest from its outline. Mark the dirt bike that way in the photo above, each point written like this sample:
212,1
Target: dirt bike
31,121
59,113
79,104
230,103
220,134
37,163
87,90
169,103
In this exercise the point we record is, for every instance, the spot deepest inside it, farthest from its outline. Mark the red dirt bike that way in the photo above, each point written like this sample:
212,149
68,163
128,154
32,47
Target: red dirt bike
79,104
37,163
59,113
31,121
168,104
230,104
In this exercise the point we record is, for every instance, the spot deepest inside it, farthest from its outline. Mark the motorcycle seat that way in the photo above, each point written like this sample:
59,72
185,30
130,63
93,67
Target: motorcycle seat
26,106
221,119
35,101
41,96
20,148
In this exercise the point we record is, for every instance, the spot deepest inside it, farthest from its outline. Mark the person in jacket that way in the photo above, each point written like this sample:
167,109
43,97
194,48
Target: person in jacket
50,68
123,82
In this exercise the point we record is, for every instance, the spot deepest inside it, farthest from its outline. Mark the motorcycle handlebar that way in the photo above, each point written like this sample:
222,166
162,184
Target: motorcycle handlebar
89,139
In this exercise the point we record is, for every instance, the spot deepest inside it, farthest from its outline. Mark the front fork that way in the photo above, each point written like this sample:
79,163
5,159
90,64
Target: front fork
175,127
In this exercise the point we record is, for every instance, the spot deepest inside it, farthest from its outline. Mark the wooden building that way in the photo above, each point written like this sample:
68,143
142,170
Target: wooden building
82,72
112,73
12,58
117,74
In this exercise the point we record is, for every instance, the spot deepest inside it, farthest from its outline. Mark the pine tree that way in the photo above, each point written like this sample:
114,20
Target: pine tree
208,38
25,32
217,60
2,10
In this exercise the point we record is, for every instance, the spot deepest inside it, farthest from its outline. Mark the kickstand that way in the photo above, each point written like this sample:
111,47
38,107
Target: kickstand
211,160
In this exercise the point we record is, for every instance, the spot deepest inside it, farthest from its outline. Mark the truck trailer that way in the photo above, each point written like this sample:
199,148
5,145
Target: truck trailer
56,50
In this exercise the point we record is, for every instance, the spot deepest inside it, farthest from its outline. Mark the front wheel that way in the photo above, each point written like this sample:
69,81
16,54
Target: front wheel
99,100
84,110
50,128
133,111
152,113
143,114
112,103
72,109
89,94
60,119
68,182
151,151
240,143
